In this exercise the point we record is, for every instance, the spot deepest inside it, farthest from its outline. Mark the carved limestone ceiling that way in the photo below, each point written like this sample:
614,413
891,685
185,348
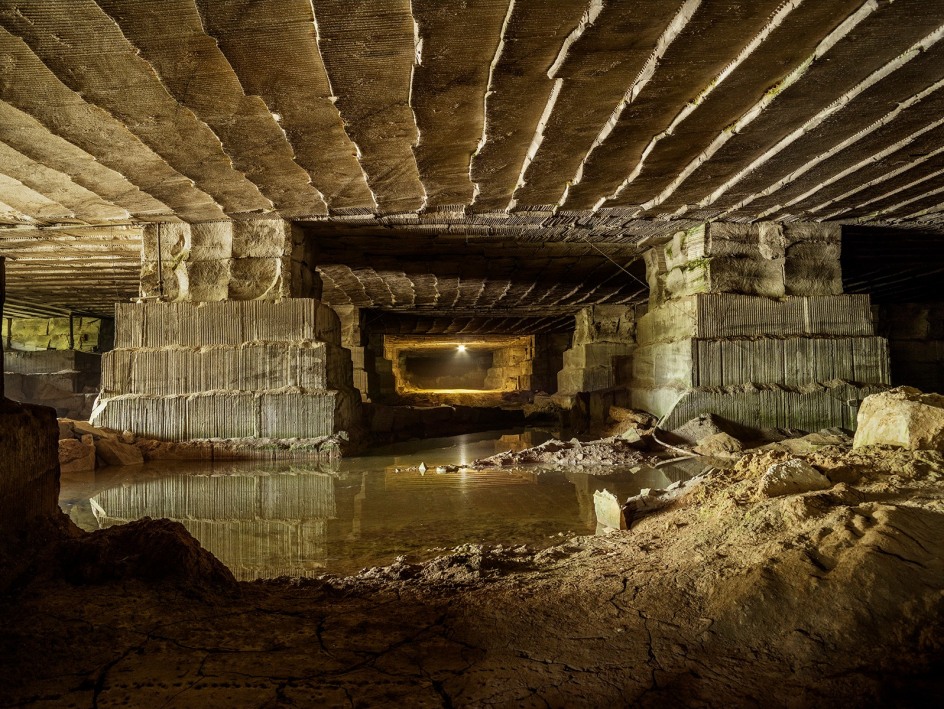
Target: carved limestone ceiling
538,120
455,276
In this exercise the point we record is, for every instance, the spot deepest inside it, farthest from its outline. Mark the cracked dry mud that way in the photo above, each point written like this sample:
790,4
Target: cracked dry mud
726,600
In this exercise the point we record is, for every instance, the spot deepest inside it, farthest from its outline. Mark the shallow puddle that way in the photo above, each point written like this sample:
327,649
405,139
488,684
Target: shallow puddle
294,518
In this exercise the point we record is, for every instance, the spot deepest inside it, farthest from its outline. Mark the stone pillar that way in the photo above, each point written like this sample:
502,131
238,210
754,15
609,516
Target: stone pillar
353,339
383,382
604,340
244,350
511,368
748,322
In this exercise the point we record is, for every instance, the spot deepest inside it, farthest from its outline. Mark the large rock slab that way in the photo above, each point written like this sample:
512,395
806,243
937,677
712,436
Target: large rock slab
903,417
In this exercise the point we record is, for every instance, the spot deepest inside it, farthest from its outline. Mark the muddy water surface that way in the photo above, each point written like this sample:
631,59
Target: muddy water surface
294,518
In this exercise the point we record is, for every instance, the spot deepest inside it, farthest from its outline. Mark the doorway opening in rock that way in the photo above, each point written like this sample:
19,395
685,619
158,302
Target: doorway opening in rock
461,365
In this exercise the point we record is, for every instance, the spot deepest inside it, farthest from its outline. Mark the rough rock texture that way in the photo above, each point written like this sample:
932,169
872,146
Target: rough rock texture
114,452
609,451
76,456
600,358
29,467
214,261
154,551
29,484
902,417
791,477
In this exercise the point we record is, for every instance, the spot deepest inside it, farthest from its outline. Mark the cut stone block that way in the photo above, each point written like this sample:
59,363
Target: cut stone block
791,361
114,452
763,277
47,361
250,367
596,354
579,379
225,323
605,323
280,414
812,407
725,315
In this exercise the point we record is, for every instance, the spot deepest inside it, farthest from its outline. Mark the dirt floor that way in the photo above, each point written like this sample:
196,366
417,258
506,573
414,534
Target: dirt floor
729,598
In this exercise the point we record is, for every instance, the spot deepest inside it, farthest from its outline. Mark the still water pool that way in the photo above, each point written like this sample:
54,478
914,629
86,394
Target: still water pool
292,518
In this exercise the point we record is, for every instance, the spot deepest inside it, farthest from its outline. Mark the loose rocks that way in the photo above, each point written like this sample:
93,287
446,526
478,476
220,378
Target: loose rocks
791,477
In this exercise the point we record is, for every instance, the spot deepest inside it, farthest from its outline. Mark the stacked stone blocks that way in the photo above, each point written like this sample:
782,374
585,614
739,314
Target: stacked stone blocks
748,322
604,341
231,369
511,369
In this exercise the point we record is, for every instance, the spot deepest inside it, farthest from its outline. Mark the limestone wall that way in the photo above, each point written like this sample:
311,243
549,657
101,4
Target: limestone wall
66,380
52,334
511,369
603,344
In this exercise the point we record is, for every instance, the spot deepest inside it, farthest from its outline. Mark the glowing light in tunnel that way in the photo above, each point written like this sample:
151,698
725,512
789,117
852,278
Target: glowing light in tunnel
461,348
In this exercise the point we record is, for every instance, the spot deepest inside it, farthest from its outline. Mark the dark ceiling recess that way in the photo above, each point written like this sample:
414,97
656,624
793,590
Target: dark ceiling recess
416,282
893,265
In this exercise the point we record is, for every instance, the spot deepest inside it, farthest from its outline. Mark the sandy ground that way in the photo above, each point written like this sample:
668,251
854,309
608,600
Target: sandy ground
827,598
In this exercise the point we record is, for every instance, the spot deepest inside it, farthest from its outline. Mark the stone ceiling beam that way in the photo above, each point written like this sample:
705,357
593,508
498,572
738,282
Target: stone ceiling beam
593,73
169,35
23,133
39,93
78,202
779,48
30,206
369,51
254,38
518,91
88,53
844,66
703,41
448,92
915,131
919,81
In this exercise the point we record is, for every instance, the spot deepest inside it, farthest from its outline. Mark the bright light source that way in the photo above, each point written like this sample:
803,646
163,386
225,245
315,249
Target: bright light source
461,348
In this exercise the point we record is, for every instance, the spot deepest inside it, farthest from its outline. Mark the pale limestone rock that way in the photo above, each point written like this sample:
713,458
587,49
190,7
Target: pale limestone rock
720,445
903,417
114,452
608,510
76,456
791,477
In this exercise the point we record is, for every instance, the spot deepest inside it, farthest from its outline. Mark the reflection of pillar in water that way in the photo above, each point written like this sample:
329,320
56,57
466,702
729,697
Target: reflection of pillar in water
584,488
260,526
